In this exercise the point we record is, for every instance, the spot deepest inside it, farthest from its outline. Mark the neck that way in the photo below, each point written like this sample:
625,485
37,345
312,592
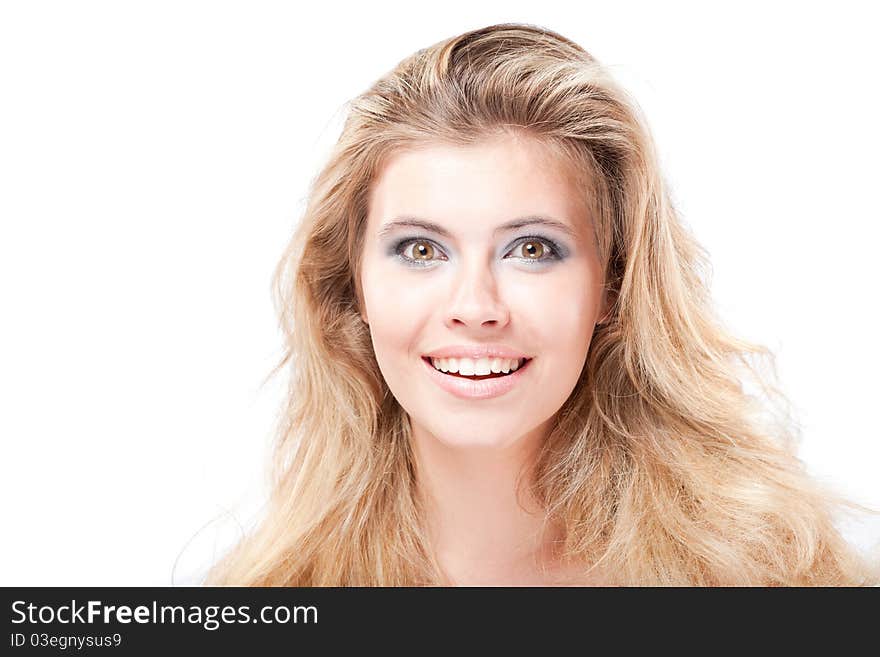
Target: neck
485,525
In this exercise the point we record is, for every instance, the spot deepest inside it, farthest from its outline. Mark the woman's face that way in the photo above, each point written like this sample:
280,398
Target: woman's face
470,283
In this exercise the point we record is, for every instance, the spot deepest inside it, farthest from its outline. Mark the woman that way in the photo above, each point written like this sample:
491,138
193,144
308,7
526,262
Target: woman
504,364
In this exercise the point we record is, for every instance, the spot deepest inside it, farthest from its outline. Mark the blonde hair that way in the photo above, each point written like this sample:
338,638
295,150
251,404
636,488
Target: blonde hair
661,466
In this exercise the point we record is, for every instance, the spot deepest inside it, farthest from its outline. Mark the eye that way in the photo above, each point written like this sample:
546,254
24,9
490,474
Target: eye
536,249
423,251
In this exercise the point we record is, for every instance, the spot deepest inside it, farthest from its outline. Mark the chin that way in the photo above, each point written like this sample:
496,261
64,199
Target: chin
472,434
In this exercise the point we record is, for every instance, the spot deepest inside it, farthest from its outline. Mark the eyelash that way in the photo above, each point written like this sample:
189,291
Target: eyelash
554,250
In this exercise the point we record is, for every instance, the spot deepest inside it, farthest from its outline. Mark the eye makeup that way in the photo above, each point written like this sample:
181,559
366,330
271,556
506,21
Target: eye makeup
552,250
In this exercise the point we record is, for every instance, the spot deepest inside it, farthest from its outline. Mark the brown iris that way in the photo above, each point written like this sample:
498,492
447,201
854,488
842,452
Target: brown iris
423,251
534,250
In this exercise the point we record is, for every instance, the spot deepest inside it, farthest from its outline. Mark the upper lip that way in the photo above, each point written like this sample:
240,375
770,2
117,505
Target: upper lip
476,352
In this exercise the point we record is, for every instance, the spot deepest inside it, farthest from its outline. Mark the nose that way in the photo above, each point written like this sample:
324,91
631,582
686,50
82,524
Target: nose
475,301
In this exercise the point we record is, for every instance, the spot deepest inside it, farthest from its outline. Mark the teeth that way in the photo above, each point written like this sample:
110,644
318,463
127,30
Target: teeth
478,367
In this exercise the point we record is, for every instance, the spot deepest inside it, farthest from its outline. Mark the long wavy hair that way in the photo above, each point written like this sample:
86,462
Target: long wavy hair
673,460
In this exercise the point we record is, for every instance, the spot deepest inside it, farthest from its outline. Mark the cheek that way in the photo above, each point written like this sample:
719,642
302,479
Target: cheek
564,317
396,310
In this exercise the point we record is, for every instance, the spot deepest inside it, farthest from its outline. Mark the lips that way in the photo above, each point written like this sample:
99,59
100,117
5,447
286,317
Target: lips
477,387
475,352
479,377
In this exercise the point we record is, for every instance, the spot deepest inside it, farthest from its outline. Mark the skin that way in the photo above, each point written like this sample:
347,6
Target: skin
478,289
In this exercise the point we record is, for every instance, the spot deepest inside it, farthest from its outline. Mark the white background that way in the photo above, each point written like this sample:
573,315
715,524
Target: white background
154,158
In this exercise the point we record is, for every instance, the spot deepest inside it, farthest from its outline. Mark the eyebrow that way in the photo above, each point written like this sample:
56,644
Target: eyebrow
532,220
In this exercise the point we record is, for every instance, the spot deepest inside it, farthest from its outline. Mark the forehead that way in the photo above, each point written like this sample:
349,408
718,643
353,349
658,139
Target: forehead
483,184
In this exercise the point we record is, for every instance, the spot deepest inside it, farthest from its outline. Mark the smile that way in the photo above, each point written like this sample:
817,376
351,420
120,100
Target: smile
477,379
